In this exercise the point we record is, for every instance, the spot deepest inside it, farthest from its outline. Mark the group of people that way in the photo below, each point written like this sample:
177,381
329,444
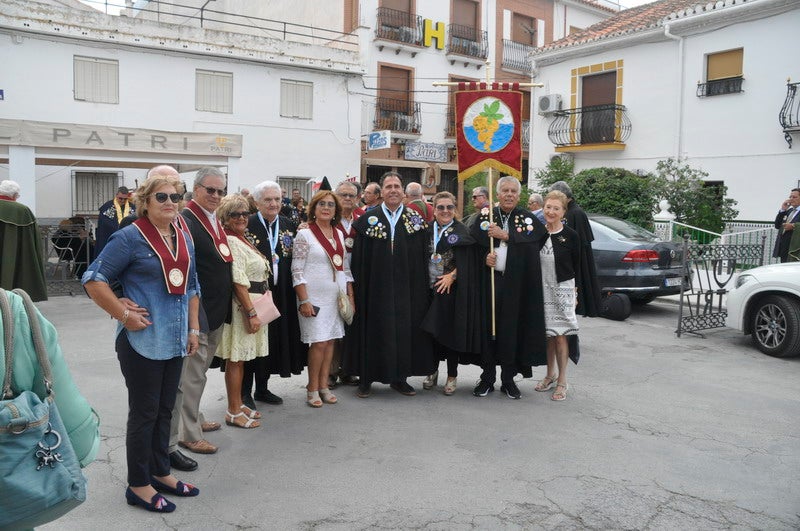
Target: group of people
497,289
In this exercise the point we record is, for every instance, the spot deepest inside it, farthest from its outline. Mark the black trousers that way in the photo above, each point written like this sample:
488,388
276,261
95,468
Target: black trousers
507,373
152,386
256,371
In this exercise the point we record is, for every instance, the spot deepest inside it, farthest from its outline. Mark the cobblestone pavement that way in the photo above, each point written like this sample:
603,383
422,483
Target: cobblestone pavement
657,433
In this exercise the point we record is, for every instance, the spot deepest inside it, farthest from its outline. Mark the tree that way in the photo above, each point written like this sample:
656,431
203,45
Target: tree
616,192
479,179
691,200
558,169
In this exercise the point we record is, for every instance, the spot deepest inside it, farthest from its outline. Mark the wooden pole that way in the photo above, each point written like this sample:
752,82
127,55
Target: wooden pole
489,182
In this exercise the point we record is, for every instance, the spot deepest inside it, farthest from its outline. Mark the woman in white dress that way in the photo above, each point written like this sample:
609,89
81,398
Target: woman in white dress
319,273
560,256
243,339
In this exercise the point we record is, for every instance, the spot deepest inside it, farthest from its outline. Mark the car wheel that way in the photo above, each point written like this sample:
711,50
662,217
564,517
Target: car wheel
776,326
616,307
644,299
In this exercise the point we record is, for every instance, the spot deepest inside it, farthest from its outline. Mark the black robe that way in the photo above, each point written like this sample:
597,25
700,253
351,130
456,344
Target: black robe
455,319
589,297
391,291
520,329
287,354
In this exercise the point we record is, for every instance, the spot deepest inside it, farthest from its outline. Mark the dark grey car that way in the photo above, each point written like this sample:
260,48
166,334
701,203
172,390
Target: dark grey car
634,261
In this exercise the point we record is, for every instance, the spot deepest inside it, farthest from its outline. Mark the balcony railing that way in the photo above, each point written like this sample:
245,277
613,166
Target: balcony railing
730,85
399,26
397,115
789,116
598,124
516,55
526,135
466,40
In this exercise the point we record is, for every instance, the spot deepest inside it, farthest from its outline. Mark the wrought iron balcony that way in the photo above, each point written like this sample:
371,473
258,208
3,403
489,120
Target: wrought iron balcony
397,115
516,56
398,26
468,41
598,124
526,135
730,85
789,116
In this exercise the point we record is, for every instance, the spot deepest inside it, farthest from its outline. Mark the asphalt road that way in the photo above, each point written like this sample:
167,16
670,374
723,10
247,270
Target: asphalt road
657,432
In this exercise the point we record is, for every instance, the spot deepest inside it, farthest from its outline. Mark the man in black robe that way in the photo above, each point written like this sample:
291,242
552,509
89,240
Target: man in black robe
391,286
520,339
589,297
110,215
273,234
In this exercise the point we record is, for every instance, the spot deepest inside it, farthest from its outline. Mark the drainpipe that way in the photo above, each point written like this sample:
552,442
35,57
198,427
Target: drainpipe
679,103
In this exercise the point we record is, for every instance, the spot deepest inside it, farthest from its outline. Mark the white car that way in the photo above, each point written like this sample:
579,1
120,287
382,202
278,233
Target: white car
765,303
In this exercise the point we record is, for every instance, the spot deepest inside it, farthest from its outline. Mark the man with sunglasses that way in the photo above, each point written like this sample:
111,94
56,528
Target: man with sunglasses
480,200
213,258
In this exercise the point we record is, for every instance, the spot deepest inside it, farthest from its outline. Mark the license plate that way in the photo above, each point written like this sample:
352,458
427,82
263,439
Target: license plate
669,282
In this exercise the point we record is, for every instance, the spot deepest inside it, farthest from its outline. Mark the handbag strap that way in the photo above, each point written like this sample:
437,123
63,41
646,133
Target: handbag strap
8,342
38,340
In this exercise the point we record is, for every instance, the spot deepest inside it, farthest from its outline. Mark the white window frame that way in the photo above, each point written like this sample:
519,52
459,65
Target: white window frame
213,91
95,79
297,99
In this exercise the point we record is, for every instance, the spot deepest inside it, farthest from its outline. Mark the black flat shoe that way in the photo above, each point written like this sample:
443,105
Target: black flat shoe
267,397
364,390
511,390
182,489
403,388
158,503
179,461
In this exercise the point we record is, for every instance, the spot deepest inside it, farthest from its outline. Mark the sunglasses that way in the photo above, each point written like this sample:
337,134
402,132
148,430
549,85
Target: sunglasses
477,196
347,196
211,191
161,197
445,207
237,215
329,204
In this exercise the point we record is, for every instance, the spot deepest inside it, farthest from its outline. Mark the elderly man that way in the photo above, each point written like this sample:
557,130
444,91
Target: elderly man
586,277
416,201
787,217
273,235
519,308
535,204
389,265
372,196
480,200
20,245
110,215
214,273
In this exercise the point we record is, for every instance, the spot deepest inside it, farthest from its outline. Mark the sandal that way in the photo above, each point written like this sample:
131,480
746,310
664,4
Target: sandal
450,386
327,396
558,396
230,420
542,386
312,399
250,413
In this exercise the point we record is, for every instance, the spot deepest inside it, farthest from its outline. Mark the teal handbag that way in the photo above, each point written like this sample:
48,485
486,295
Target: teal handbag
40,477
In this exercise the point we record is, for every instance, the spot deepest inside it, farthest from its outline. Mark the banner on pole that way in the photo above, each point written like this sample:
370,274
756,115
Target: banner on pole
488,129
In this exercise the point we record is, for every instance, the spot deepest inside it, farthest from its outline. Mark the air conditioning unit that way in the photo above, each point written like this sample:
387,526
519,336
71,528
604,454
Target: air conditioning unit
549,104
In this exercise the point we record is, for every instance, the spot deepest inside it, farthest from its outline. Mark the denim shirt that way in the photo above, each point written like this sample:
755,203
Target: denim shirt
127,257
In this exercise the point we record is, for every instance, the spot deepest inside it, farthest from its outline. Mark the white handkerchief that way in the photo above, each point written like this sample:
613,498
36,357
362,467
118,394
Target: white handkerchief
502,253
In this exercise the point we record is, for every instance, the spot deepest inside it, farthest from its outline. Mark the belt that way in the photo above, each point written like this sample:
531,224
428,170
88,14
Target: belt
258,287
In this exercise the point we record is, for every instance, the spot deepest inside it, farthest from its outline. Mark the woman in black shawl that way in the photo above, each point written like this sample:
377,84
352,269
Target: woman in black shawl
454,318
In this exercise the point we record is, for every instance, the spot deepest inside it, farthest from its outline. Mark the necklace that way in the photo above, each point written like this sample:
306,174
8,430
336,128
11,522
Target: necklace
504,219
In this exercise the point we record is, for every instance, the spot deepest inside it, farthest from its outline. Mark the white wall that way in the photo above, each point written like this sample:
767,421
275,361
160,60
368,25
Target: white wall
736,138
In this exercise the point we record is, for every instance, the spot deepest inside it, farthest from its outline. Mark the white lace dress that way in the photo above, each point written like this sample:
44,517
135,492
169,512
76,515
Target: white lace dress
559,297
312,267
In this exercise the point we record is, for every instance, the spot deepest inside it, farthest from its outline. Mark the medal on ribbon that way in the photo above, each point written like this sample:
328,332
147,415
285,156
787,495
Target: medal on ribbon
174,265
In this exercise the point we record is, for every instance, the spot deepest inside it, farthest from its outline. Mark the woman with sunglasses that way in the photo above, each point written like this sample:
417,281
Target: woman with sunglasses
243,338
319,272
453,318
154,262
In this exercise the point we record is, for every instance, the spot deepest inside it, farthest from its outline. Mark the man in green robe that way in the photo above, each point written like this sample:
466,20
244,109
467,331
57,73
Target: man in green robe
22,264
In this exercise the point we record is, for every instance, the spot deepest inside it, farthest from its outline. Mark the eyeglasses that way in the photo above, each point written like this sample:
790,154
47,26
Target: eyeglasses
211,191
237,215
477,196
161,197
445,207
329,204
347,196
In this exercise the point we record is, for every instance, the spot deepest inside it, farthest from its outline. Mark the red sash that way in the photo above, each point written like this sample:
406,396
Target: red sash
335,252
6,197
174,267
220,242
181,224
349,236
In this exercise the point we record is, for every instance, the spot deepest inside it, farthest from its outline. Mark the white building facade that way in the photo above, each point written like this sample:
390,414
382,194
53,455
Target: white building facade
91,101
704,84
